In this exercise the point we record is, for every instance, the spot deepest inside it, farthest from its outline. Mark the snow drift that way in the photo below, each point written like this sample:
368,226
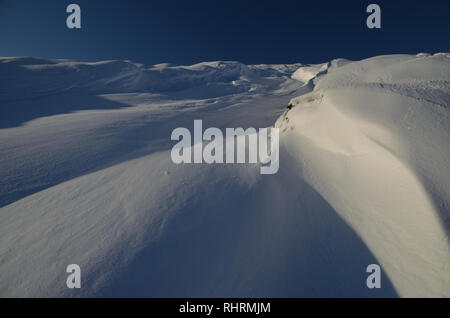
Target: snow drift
86,178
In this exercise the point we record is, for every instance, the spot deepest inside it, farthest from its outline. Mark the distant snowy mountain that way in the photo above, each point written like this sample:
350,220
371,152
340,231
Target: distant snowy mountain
86,178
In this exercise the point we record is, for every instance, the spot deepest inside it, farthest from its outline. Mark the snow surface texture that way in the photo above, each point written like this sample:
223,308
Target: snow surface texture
86,178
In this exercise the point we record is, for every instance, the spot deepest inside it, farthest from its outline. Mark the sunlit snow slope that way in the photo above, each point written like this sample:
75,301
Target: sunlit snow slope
86,178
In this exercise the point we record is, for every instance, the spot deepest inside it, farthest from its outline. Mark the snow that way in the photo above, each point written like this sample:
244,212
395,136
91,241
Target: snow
306,73
86,178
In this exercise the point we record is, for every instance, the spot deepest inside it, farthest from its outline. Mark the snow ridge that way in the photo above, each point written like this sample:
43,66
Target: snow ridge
86,178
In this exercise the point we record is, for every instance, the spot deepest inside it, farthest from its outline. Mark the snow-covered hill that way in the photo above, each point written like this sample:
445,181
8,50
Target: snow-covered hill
86,178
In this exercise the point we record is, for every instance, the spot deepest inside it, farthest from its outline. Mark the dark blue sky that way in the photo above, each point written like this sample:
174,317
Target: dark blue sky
190,31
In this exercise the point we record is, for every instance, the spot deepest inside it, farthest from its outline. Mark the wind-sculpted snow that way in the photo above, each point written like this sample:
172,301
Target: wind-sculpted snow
35,78
373,140
307,73
86,178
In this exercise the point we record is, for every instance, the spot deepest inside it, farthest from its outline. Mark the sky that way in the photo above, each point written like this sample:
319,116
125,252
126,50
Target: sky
249,31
